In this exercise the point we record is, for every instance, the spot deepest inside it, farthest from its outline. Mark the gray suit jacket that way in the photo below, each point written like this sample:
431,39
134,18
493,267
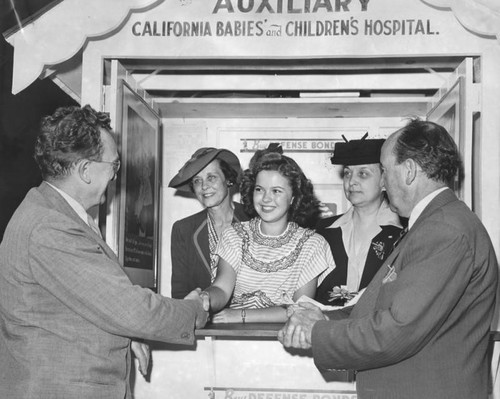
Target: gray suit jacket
67,309
421,328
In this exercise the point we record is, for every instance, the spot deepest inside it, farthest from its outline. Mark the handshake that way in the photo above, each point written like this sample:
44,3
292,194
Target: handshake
203,300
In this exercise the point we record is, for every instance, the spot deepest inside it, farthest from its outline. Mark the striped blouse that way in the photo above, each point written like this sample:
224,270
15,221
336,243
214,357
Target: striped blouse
269,269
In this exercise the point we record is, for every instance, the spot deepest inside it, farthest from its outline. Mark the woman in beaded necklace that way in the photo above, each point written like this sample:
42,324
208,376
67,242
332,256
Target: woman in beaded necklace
272,260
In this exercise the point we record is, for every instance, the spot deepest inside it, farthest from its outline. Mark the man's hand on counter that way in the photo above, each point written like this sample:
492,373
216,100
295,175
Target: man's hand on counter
298,329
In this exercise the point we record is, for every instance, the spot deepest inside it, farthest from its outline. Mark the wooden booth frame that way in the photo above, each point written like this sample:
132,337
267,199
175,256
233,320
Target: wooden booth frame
137,199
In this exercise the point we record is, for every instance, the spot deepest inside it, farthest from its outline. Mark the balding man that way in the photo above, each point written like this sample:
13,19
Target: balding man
421,328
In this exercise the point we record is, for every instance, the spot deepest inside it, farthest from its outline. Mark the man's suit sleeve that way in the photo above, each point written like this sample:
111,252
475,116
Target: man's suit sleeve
74,268
339,314
436,268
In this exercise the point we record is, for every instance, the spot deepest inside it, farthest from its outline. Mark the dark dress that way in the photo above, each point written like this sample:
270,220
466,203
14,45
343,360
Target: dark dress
380,248
190,252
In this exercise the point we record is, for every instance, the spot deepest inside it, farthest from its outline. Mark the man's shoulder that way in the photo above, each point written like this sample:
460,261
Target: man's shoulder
451,220
36,213
453,212
458,216
34,206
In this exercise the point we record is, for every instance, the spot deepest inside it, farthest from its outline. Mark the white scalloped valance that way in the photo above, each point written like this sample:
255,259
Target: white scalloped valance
479,16
61,32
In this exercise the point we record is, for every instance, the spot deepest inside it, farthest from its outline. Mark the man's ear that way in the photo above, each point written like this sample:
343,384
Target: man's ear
411,169
83,170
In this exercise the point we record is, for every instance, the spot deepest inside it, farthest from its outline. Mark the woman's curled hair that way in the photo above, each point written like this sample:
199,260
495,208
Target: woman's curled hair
305,208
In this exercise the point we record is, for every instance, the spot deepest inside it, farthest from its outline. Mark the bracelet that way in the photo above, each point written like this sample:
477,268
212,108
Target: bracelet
243,315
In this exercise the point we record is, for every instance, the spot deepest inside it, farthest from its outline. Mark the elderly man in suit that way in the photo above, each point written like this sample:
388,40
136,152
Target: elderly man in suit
421,328
68,311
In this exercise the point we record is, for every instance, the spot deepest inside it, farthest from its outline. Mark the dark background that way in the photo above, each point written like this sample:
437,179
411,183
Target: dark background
20,114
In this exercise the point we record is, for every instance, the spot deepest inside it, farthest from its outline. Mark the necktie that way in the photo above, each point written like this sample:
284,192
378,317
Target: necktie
93,225
401,235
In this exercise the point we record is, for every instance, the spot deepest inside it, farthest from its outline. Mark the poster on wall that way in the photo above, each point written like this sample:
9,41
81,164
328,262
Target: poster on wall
139,188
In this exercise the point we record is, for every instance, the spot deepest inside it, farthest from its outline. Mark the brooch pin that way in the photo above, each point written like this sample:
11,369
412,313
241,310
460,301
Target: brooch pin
379,249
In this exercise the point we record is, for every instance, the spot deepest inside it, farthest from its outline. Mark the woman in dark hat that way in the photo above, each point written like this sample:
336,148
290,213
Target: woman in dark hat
362,238
272,260
210,174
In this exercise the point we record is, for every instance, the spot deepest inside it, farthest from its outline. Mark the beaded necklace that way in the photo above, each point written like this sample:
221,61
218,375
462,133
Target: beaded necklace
273,242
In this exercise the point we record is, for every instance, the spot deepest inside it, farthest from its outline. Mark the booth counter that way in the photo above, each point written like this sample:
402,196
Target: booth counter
246,361
240,361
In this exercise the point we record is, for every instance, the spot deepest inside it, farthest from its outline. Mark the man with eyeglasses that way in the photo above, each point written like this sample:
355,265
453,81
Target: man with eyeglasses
69,315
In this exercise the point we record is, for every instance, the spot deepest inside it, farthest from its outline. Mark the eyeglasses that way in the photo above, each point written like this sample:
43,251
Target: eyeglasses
116,164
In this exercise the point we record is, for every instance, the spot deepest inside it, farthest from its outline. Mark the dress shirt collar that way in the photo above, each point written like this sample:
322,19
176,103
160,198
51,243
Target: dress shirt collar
74,204
419,208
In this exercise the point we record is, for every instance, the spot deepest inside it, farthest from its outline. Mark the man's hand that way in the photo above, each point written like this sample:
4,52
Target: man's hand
202,314
143,354
193,295
298,329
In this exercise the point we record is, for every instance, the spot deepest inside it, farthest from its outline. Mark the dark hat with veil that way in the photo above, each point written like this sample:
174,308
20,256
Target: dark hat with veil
357,152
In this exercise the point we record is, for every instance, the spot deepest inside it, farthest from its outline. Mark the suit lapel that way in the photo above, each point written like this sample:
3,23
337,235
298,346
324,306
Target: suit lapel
61,205
369,298
334,238
437,203
200,237
384,243
200,241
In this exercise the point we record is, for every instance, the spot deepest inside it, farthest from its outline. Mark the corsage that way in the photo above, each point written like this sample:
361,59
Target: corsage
341,294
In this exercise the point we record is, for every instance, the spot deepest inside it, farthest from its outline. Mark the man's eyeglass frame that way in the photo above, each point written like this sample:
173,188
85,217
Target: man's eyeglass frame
116,164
